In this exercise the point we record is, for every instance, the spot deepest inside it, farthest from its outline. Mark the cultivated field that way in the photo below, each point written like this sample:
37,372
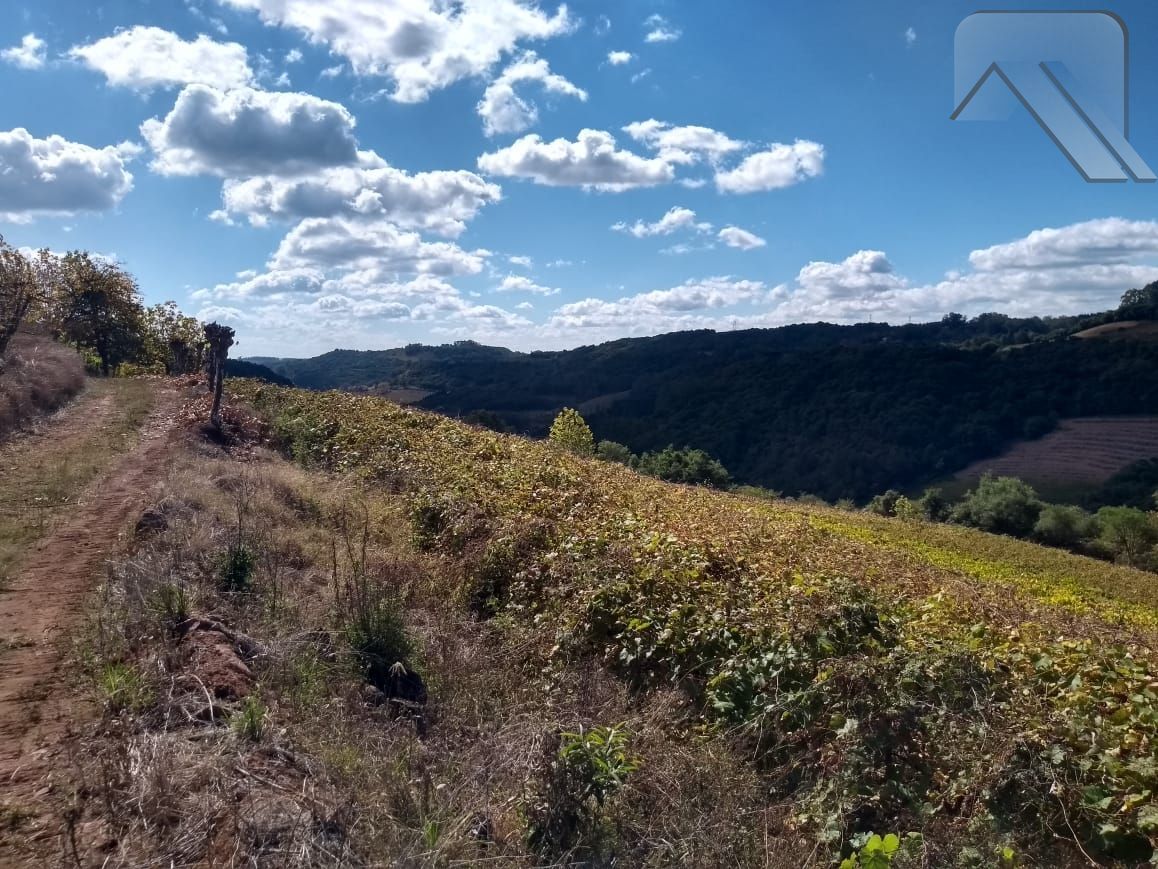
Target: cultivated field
1080,453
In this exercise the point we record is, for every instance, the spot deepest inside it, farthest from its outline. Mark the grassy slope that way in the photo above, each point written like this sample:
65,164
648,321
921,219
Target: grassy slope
37,375
784,624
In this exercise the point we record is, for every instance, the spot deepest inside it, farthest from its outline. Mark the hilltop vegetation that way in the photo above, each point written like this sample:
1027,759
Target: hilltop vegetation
996,699
835,411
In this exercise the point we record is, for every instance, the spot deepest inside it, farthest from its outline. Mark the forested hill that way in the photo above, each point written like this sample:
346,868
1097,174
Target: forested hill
838,411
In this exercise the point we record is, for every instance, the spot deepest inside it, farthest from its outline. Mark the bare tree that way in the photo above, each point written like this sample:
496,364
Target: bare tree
220,339
18,288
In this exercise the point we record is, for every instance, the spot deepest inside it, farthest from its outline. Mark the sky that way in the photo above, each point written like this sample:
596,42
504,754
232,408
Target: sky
370,173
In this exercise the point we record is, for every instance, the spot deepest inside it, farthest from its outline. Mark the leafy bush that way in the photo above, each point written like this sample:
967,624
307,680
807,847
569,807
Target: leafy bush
571,432
1064,526
886,504
235,569
934,505
1000,505
1130,535
587,769
375,630
875,853
610,451
688,466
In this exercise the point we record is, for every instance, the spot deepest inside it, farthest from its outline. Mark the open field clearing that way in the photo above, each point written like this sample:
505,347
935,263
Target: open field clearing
1133,330
1080,453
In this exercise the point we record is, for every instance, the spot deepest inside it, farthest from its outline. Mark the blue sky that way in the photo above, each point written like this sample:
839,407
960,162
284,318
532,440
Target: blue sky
367,173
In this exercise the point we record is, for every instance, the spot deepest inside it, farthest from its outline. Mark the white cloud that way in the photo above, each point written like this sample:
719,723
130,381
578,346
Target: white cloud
734,236
675,219
522,261
640,76
29,54
247,132
779,166
294,55
144,58
423,45
521,284
910,36
618,58
439,201
330,243
1109,240
332,71
684,145
504,111
659,29
592,161
602,25
56,177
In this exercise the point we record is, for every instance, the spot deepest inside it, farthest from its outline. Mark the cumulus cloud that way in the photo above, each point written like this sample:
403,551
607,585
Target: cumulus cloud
675,219
659,29
56,177
1108,240
441,201
592,161
329,243
29,54
520,261
683,144
423,45
777,167
734,236
618,58
248,132
144,58
504,111
521,284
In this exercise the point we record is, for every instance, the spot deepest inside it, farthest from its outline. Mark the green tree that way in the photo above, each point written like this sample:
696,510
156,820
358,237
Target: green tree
934,506
571,432
98,309
1000,505
886,504
693,467
18,290
1140,304
610,451
1064,526
172,340
1130,535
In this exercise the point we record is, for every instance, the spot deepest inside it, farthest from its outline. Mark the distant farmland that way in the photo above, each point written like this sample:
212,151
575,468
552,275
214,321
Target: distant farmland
1080,453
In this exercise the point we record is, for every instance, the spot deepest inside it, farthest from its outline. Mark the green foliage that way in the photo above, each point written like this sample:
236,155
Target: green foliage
1064,526
372,623
249,721
1133,486
875,853
589,767
570,431
907,511
1000,505
610,451
886,504
235,567
124,688
1129,534
688,466
98,309
171,604
934,506
1140,304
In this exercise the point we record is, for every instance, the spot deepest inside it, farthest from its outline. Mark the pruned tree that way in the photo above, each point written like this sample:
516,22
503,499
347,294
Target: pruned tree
220,339
18,291
96,306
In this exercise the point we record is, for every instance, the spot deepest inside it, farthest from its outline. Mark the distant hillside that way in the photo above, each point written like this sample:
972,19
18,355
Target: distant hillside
254,370
838,411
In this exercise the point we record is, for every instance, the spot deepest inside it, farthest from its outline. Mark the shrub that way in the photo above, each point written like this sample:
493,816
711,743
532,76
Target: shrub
1000,505
934,505
688,466
571,432
1129,534
610,451
1064,526
886,504
375,630
587,769
235,569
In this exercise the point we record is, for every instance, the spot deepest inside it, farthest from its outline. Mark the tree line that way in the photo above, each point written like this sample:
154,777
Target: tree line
94,304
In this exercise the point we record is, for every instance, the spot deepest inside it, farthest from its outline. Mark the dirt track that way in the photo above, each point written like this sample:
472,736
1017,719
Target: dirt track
42,609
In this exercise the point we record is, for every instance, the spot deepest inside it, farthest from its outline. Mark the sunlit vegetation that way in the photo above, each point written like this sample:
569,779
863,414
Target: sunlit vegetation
995,699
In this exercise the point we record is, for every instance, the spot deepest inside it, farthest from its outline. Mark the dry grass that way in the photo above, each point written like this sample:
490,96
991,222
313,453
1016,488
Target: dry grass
37,375
338,778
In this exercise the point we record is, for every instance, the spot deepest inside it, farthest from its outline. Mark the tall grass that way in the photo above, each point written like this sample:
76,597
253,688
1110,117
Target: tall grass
37,375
